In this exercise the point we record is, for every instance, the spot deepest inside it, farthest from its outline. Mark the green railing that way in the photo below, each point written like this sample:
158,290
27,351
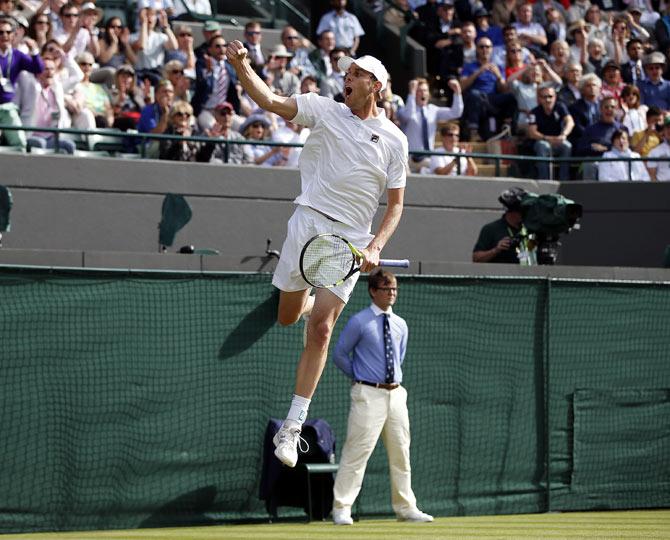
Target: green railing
141,140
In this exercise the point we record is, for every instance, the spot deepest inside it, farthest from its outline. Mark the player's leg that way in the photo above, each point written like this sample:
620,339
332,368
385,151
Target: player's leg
292,305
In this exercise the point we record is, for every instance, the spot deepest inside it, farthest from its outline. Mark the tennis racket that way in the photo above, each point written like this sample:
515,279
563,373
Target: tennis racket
327,260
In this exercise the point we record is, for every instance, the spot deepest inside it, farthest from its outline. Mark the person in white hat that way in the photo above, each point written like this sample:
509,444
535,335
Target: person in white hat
353,155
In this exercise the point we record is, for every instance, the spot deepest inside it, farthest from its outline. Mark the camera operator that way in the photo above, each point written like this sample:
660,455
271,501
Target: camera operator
499,239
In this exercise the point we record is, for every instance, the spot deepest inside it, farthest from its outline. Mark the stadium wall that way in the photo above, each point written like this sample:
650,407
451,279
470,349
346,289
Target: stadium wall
133,400
113,205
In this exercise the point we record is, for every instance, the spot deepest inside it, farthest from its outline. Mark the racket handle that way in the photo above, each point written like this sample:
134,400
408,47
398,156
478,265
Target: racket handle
396,263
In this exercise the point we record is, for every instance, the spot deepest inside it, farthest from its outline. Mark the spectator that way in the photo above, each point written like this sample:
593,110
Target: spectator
257,128
71,35
90,15
497,241
320,57
67,70
419,118
485,29
469,45
184,52
615,47
585,110
370,352
253,36
223,130
514,62
550,125
597,138
185,9
643,14
308,84
333,86
485,97
209,30
510,37
579,35
344,25
596,60
180,120
632,71
598,28
659,171
215,82
286,83
127,99
577,10
635,114
615,171
115,49
655,90
559,56
299,64
40,29
503,12
569,92
288,156
12,63
92,95
42,104
158,5
531,34
612,83
174,72
150,45
554,27
540,15
644,141
443,41
451,165
155,116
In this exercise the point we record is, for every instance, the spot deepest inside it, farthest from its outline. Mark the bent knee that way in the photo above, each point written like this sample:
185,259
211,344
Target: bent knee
287,319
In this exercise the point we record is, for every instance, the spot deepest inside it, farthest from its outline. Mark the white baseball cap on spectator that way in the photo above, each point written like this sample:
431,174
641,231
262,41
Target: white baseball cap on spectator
368,63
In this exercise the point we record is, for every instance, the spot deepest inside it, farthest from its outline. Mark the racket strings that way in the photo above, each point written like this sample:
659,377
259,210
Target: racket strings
326,261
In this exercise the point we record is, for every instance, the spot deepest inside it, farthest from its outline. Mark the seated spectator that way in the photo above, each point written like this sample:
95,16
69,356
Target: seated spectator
655,90
223,130
299,64
210,30
154,117
577,10
659,171
485,29
286,82
344,25
596,59
180,120
514,59
554,28
569,92
175,72
441,37
67,70
450,165
524,85
484,94
599,28
559,56
40,29
257,128
184,9
597,138
71,35
549,126
333,85
320,57
585,111
309,83
93,96
150,45
127,99
643,14
287,156
632,71
42,104
510,37
616,171
419,118
643,142
635,114
578,35
503,12
184,52
531,34
115,50
253,38
540,15
468,45
612,82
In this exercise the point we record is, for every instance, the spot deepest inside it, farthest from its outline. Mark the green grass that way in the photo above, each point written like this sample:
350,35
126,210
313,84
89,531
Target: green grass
642,525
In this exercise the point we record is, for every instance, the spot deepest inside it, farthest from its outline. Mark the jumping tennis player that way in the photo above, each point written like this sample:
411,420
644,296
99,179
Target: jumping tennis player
352,154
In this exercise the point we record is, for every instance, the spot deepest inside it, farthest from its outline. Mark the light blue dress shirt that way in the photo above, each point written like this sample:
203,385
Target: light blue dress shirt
359,351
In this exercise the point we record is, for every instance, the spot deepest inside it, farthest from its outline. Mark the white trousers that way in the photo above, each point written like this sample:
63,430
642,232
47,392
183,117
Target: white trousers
376,412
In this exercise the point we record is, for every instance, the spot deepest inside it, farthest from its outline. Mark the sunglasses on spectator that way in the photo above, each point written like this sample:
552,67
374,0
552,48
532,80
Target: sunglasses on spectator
42,22
220,45
452,134
116,26
547,96
484,46
68,15
184,34
180,114
177,71
291,37
85,63
6,32
253,33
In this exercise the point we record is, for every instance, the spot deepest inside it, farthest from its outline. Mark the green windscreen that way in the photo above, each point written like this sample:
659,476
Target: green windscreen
134,401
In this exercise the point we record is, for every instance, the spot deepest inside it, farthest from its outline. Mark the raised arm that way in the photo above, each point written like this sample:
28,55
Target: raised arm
286,107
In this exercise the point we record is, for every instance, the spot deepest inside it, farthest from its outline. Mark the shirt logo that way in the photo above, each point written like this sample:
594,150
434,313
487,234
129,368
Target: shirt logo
374,138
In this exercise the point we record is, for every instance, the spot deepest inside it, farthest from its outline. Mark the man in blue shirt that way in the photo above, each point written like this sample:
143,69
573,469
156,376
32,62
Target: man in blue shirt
597,138
655,90
370,351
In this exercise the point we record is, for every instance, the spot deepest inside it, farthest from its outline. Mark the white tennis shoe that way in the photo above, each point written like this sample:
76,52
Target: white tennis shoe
416,516
287,441
342,516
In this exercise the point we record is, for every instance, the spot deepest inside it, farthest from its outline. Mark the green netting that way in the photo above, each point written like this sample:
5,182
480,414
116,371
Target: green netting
133,401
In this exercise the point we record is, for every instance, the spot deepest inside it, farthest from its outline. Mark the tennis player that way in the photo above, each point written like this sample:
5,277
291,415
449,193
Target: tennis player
352,155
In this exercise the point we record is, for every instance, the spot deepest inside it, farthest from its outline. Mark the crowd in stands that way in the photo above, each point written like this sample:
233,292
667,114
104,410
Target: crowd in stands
565,78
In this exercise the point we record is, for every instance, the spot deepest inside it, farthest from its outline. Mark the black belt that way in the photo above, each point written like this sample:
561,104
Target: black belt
384,386
323,214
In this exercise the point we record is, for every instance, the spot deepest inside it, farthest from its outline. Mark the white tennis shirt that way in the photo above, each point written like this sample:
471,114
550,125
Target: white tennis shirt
347,163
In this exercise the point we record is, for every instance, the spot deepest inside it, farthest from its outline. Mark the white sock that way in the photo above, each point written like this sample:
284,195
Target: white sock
297,414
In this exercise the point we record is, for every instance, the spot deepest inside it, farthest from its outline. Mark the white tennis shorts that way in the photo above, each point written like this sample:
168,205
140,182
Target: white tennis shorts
303,225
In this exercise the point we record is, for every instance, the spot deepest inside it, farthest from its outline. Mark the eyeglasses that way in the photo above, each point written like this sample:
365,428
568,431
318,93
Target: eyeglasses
224,112
6,32
220,45
291,37
252,33
387,289
257,125
115,26
484,46
69,15
85,63
515,50
177,72
452,135
42,22
180,114
184,34
547,96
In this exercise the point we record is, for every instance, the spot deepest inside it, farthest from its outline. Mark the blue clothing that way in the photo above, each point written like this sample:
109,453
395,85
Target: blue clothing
486,82
205,85
149,118
600,133
494,33
359,352
655,94
19,62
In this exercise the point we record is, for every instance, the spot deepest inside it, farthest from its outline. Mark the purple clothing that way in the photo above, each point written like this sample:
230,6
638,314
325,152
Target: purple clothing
19,62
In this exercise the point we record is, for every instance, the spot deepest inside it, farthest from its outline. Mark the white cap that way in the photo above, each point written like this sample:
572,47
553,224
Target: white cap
368,63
